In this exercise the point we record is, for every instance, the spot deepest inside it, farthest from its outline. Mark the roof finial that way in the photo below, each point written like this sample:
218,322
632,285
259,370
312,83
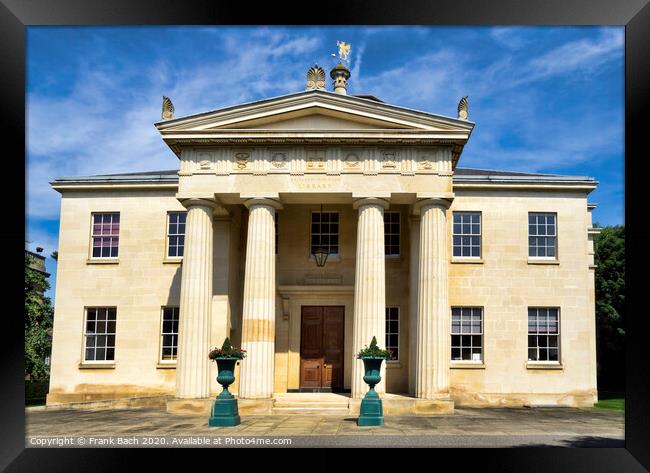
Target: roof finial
316,78
167,109
463,108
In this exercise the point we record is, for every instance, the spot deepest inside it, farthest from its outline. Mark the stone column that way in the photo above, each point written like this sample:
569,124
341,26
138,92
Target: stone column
193,366
258,313
369,288
414,258
433,338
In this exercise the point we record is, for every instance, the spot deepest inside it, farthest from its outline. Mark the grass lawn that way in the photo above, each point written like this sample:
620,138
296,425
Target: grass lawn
611,400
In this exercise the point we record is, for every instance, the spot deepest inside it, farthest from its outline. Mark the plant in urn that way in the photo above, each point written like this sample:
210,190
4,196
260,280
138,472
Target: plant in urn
225,412
372,413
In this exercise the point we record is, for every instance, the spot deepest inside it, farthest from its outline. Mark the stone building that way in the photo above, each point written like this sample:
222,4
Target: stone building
480,282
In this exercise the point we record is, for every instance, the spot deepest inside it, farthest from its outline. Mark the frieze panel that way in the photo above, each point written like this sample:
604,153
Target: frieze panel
316,160
331,161
241,160
280,160
352,160
389,160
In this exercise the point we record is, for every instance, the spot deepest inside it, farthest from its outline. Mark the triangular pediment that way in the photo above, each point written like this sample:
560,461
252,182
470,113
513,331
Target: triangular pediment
313,111
315,118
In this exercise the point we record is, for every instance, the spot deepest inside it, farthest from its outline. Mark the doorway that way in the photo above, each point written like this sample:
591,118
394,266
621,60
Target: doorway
321,348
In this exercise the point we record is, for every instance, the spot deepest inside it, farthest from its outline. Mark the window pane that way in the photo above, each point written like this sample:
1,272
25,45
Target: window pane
90,354
100,354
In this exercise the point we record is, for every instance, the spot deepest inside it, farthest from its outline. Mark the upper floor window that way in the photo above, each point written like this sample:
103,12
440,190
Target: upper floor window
176,234
467,234
392,233
543,334
325,232
467,333
169,334
542,235
392,332
105,234
100,334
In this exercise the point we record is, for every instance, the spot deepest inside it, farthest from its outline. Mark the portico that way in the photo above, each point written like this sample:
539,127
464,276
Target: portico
288,154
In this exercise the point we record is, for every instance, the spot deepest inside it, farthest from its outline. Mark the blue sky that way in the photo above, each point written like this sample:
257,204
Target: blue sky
544,99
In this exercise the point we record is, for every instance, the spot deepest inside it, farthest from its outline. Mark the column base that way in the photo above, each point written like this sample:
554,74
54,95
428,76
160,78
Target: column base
225,413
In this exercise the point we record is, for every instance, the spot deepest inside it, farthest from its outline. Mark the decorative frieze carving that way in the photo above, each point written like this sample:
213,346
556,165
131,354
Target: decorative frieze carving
316,160
241,161
388,160
352,161
280,160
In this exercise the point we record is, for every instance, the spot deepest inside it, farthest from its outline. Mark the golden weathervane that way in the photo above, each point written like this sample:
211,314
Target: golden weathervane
344,50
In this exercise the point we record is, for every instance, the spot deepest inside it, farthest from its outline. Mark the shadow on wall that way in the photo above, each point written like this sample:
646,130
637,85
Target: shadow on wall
174,296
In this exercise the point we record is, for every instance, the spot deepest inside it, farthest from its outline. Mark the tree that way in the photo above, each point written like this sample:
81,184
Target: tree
38,323
610,302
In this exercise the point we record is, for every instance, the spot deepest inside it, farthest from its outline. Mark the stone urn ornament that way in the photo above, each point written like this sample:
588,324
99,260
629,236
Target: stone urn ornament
225,412
372,412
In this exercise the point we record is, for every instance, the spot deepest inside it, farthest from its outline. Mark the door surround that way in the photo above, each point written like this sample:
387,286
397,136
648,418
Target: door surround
293,298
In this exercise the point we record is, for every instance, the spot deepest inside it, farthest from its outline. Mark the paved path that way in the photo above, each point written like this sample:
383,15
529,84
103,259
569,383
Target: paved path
466,427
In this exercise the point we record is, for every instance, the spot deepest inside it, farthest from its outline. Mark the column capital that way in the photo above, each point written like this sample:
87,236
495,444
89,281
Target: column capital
431,202
188,202
370,201
276,204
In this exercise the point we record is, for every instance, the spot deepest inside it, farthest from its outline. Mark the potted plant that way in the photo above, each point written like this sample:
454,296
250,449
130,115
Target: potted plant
371,412
225,412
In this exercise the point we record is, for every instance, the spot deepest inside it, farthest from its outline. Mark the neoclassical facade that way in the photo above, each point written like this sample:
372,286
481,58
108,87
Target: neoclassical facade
480,282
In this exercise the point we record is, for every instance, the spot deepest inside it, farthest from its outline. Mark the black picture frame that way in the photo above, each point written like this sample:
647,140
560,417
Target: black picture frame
16,15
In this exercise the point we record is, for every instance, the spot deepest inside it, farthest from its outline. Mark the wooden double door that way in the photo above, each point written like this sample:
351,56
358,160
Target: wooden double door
321,348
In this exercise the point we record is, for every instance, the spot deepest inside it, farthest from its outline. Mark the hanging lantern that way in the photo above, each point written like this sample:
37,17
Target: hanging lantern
321,257
321,254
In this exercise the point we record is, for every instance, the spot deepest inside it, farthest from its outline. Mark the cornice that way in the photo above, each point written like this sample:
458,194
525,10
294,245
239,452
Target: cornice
305,100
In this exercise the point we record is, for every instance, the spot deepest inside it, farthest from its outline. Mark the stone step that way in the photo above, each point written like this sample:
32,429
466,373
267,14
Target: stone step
310,410
311,404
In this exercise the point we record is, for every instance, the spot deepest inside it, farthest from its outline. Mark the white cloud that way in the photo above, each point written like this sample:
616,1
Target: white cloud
105,124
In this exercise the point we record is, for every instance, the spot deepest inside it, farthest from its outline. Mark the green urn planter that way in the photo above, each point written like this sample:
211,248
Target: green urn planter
225,412
372,412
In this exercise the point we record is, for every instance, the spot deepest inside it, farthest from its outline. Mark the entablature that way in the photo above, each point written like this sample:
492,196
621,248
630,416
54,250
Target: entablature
315,159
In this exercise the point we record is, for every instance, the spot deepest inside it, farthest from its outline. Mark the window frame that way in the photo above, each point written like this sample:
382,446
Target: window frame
92,236
461,235
528,224
399,329
558,335
162,334
469,334
311,233
399,234
84,335
167,235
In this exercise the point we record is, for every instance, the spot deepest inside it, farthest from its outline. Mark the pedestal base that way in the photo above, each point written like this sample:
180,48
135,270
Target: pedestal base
371,412
225,413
